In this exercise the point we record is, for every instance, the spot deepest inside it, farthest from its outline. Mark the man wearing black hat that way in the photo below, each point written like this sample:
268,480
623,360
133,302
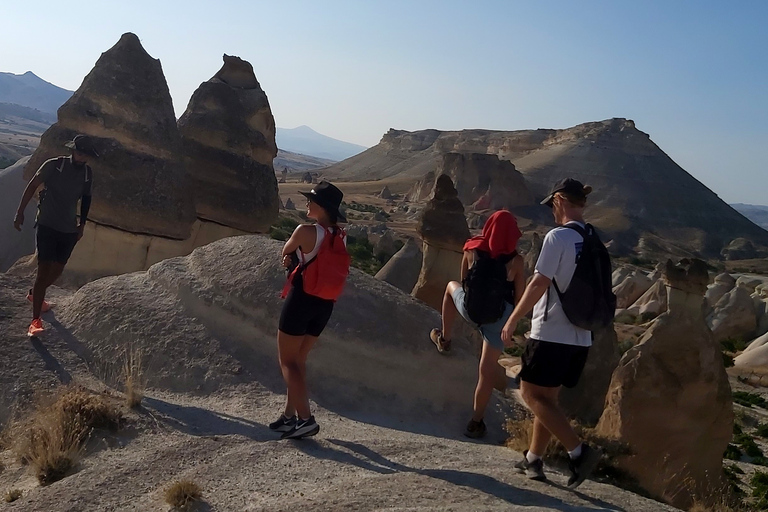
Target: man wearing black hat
557,349
66,180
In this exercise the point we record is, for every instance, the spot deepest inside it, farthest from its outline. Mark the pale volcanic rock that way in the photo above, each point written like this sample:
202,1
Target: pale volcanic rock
734,315
631,288
14,244
670,400
654,300
228,135
443,228
140,184
402,270
722,284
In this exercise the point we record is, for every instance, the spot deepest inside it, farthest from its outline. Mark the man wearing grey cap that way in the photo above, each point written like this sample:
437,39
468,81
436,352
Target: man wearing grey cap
557,349
66,181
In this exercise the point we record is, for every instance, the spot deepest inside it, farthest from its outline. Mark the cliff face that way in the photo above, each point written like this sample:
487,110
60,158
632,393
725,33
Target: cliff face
642,199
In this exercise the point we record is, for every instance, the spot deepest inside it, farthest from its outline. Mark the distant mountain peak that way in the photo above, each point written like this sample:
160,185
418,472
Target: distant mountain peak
307,141
29,90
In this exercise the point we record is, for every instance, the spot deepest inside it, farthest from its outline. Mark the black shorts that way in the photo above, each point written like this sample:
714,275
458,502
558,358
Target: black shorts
304,314
54,246
551,365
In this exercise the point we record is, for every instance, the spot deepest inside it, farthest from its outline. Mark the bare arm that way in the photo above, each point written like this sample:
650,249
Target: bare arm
302,237
26,197
535,290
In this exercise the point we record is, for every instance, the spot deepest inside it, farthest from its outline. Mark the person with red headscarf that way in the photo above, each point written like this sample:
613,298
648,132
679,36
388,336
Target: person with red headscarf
499,242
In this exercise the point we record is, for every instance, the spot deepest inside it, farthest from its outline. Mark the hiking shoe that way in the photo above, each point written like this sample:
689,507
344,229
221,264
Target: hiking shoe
35,328
302,428
475,429
283,424
46,307
533,470
441,343
583,466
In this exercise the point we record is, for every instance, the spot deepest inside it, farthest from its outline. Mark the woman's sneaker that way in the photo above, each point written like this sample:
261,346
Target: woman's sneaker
441,343
533,470
475,429
283,424
302,428
583,466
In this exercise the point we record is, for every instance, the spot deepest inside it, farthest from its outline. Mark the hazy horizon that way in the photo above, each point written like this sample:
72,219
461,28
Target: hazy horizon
690,74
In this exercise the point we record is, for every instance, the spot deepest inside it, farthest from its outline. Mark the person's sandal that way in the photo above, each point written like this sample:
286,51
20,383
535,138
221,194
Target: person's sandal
441,343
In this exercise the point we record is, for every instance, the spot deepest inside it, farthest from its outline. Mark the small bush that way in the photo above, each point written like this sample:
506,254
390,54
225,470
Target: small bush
732,452
762,430
12,495
182,494
728,361
759,483
748,445
50,440
283,228
748,399
733,345
134,379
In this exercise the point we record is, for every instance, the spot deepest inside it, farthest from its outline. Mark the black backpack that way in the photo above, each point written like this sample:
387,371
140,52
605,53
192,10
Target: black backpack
485,288
589,301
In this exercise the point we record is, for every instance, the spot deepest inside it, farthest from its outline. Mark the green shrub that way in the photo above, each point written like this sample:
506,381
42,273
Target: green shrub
759,483
748,445
732,452
748,399
283,228
733,345
762,430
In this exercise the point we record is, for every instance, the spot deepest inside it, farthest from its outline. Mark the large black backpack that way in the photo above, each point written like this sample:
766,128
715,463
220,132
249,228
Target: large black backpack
485,288
589,301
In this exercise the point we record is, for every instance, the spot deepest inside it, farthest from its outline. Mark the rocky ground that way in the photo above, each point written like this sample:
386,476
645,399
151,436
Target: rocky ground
361,460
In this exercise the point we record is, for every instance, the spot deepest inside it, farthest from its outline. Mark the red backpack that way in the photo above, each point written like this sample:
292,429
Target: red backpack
325,274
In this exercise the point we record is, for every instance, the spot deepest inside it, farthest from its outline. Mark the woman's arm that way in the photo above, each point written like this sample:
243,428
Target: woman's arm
303,236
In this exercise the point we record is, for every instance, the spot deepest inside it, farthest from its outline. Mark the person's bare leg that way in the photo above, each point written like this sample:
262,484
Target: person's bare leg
44,272
539,438
487,379
449,311
543,402
289,349
56,270
306,346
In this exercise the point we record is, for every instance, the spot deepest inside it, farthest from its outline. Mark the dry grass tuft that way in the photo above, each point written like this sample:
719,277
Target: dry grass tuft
51,438
12,495
183,493
134,379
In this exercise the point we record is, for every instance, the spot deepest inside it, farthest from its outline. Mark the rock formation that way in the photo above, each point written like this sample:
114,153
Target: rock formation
734,316
739,249
289,204
144,200
722,284
228,135
532,256
586,401
386,245
140,184
402,270
14,245
484,182
631,289
755,355
385,193
609,155
670,399
653,302
224,324
443,229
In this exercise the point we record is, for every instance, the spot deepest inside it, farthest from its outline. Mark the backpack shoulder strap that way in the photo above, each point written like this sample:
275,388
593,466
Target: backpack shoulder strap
580,230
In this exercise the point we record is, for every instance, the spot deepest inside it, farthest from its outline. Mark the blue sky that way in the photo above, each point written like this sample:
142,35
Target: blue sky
692,74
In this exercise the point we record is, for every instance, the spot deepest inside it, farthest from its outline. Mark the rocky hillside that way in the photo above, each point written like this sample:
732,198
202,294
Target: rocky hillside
643,200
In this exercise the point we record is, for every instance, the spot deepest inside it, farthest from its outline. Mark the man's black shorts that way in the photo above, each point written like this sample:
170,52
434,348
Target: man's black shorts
54,246
551,365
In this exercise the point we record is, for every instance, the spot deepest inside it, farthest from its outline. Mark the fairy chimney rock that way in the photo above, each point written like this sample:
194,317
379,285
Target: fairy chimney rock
670,400
228,134
140,184
442,222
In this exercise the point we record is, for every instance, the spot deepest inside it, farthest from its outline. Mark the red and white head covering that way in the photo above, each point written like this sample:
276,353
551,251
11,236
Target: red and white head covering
500,235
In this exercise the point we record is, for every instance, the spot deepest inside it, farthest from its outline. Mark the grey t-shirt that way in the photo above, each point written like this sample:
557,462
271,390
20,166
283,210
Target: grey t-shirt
65,183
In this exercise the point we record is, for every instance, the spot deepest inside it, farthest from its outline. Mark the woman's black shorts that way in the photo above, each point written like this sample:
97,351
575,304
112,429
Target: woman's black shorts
551,365
304,314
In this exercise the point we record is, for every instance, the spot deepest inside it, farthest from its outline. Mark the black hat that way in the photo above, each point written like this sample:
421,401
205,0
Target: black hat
569,186
327,196
83,144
